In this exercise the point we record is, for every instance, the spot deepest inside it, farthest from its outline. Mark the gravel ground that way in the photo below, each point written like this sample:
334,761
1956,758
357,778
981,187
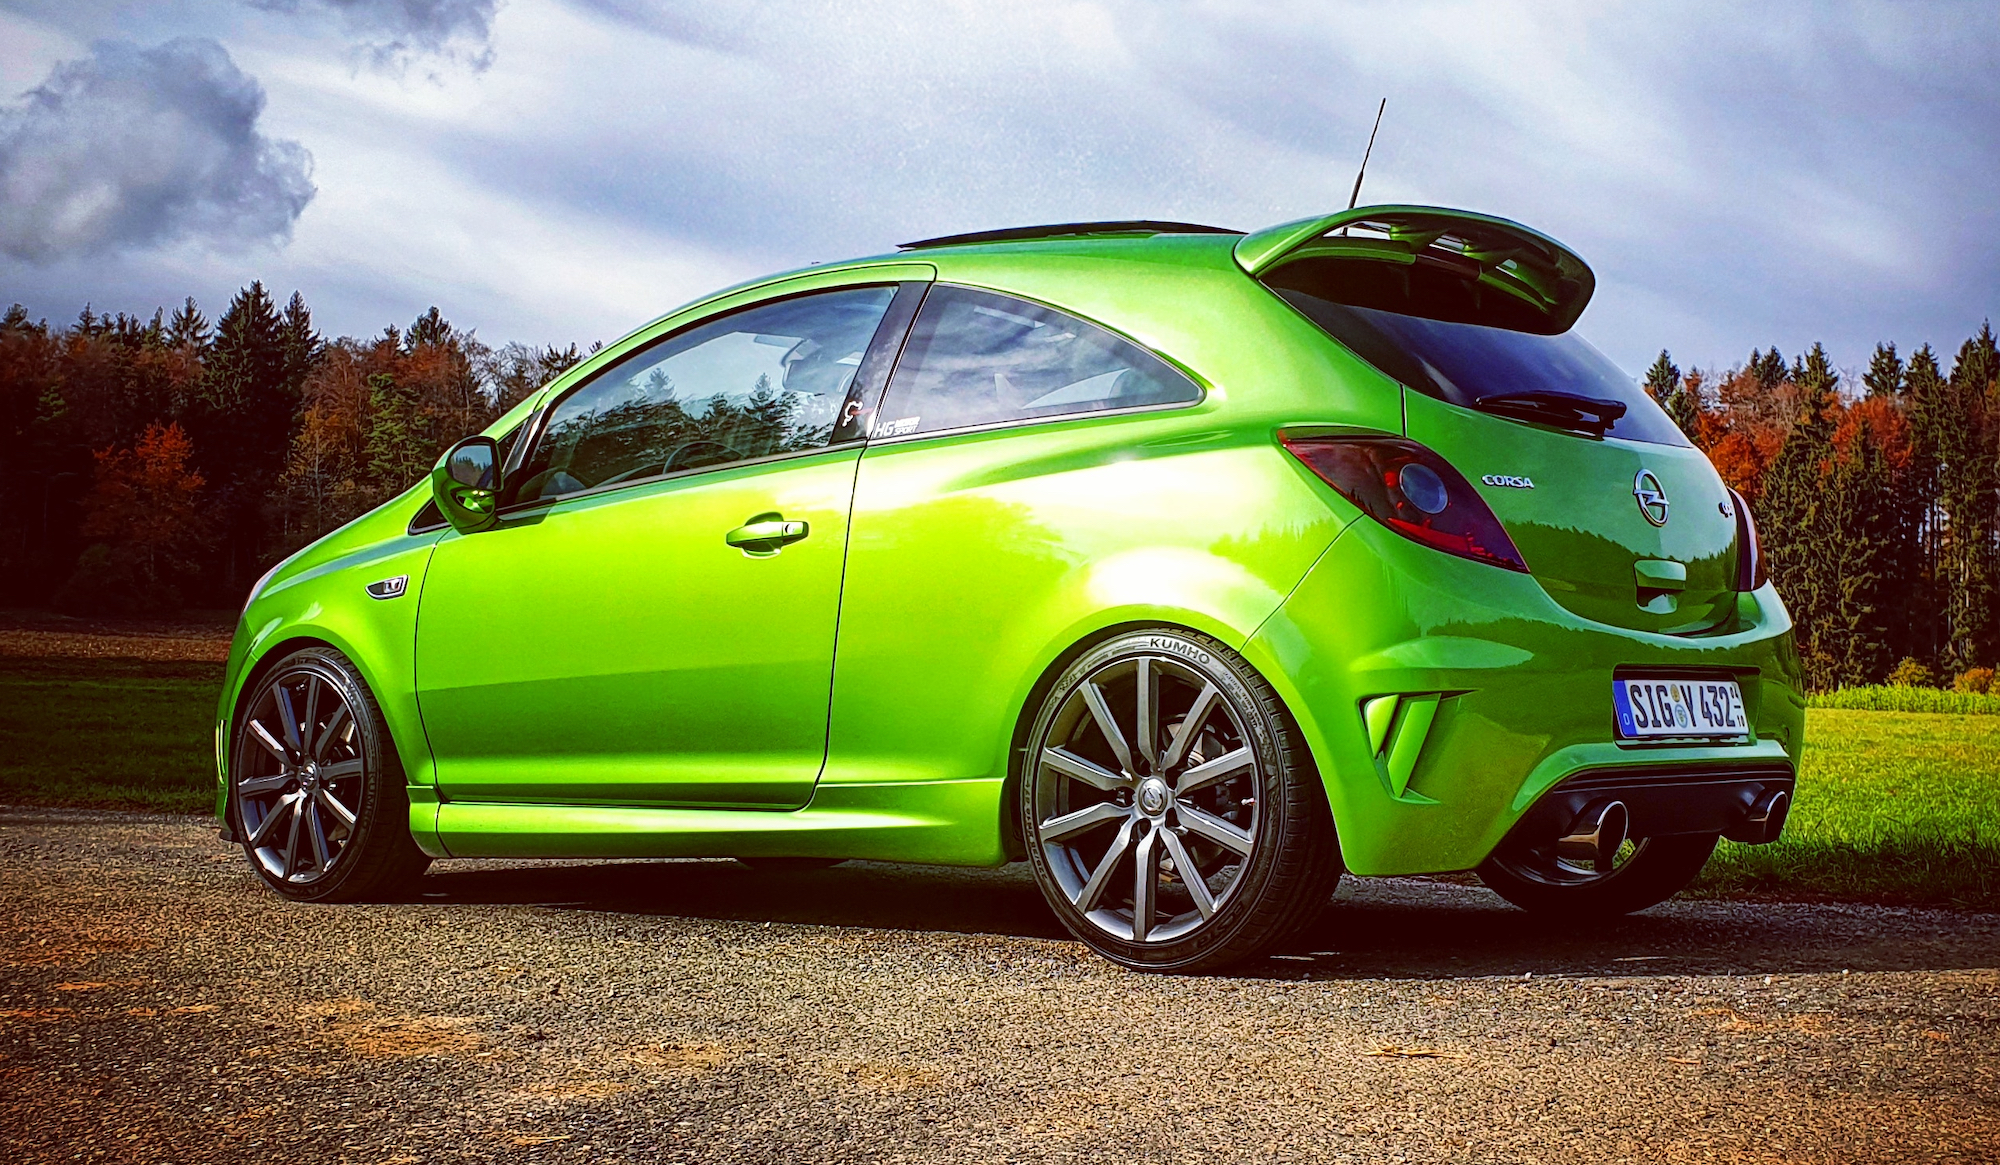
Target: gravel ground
158,1006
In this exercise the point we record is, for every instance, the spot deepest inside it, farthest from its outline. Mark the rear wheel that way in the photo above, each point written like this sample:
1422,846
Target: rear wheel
1645,872
1170,812
316,786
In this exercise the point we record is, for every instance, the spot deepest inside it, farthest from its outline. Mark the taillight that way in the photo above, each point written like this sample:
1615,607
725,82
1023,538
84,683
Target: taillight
1413,491
1751,570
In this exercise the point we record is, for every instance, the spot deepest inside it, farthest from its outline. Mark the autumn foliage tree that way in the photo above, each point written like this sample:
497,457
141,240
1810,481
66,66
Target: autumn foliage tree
146,517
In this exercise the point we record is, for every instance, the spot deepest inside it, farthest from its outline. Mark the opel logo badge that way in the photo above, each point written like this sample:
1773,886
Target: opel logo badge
1652,499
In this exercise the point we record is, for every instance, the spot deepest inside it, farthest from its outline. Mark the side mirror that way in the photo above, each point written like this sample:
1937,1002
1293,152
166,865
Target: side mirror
466,484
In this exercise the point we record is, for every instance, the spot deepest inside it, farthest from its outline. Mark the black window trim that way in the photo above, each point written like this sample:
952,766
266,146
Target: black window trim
547,408
1201,386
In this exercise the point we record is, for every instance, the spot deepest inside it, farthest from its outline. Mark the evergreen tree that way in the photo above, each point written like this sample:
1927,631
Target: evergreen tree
1767,367
1885,372
188,328
1796,522
1969,494
241,424
1862,568
303,345
402,438
1925,405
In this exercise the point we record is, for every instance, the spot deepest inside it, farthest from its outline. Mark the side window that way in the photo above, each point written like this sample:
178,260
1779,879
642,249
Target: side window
976,358
764,380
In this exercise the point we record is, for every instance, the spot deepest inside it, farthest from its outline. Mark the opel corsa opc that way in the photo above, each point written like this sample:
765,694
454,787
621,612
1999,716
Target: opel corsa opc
1195,568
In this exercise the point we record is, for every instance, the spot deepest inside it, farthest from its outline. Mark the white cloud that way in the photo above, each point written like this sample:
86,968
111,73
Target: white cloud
133,147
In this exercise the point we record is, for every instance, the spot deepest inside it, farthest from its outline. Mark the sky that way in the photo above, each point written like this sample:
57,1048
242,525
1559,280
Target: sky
556,171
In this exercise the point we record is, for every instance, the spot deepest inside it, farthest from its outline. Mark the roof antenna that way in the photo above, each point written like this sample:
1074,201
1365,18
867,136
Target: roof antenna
1356,196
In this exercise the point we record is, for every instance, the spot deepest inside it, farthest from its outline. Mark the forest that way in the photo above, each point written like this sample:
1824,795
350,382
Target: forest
149,465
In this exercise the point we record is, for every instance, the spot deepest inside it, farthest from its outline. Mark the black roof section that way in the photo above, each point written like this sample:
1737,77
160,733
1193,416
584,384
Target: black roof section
1067,229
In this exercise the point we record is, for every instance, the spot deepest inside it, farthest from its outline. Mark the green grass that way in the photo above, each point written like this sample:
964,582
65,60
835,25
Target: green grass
1892,807
1883,698
108,733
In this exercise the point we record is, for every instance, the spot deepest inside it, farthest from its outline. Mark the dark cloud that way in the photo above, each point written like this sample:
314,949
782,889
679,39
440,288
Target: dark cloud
394,31
131,147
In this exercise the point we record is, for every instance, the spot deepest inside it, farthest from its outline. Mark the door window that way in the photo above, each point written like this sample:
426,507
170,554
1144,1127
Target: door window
976,358
766,380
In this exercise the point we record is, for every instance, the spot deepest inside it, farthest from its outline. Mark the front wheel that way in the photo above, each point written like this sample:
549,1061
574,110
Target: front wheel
1170,811
316,787
1645,872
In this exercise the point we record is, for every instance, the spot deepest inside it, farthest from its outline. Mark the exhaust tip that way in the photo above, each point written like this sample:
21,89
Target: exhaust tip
1594,837
1764,820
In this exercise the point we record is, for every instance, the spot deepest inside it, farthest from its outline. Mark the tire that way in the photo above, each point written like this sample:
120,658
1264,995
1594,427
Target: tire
316,789
1253,820
1657,869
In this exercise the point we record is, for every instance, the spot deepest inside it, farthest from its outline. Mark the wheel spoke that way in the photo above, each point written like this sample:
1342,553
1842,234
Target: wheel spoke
1072,765
340,770
270,823
1086,900
334,724
309,723
258,786
1223,833
317,830
292,838
1149,715
332,805
1145,883
1071,824
1191,725
291,719
1209,772
265,738
1107,724
1190,874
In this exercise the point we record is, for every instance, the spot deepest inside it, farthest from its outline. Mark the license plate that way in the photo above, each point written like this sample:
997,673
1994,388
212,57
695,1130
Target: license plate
1650,708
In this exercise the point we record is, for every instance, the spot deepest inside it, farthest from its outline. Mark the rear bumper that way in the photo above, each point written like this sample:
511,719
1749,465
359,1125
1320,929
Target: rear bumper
1502,694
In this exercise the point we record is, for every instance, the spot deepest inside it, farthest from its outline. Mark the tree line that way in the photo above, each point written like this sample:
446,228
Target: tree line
1878,503
148,465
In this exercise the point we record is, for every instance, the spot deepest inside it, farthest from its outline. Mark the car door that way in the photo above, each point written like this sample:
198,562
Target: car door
651,621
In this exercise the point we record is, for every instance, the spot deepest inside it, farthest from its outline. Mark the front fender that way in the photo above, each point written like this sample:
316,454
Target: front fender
322,597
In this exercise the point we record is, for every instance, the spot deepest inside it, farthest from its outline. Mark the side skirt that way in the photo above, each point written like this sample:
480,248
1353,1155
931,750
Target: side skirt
948,823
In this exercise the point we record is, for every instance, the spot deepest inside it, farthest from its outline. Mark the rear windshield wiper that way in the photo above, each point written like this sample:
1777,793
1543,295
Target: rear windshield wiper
1547,406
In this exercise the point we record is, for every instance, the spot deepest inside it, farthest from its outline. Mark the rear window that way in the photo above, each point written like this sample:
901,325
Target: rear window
1461,362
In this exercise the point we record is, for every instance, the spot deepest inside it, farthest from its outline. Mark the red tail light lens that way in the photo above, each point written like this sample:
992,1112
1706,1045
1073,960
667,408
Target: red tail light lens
1751,570
1413,491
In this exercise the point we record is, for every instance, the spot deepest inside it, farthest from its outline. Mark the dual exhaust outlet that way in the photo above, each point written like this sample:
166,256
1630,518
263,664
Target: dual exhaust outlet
1595,835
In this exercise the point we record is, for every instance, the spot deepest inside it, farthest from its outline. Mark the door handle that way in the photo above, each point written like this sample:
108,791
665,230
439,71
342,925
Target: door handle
766,534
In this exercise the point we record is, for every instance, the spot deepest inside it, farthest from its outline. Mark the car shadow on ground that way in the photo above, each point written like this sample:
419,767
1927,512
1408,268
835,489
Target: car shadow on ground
1377,928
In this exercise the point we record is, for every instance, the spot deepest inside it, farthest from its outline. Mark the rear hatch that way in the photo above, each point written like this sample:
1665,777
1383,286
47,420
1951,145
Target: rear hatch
1621,520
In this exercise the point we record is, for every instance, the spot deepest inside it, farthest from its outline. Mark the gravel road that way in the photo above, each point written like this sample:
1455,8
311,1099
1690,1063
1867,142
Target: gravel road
158,1006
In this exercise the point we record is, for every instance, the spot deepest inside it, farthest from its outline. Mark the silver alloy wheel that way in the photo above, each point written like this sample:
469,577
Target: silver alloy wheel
299,776
1145,798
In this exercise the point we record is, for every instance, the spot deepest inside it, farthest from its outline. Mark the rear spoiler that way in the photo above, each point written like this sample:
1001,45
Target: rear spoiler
1532,268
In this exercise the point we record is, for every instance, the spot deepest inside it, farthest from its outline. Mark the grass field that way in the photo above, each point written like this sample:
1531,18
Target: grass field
1892,806
108,733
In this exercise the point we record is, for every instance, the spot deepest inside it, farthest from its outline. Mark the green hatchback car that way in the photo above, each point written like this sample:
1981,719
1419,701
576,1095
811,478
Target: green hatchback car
1194,568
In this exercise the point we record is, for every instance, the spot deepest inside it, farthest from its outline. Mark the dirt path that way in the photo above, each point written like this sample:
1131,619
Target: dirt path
158,1006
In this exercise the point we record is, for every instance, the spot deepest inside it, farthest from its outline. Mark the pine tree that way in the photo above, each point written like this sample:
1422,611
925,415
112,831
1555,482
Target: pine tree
1925,392
1969,494
1794,519
188,328
1885,372
242,424
303,345
1862,580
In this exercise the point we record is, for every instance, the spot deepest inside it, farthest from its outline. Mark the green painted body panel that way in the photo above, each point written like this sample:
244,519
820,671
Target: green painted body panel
604,676
1526,684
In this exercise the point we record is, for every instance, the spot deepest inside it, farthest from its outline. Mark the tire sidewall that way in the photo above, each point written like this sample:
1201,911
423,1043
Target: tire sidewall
1235,679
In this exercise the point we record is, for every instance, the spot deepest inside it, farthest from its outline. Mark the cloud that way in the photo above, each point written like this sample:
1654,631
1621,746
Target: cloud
133,147
394,31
